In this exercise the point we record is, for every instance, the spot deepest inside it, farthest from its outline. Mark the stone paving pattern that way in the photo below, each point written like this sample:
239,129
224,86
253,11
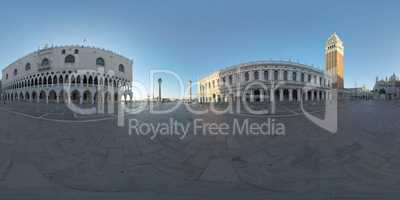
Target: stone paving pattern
44,159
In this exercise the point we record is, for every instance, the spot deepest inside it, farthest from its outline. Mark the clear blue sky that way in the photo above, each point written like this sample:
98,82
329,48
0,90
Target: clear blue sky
194,38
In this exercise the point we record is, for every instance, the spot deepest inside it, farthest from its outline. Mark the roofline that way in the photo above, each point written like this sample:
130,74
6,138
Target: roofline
261,62
67,46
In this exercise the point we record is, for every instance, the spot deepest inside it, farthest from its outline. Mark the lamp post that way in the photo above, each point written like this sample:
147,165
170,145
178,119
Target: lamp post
190,91
159,89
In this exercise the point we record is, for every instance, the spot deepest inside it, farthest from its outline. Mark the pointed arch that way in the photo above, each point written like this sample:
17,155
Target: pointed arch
75,96
106,81
78,79
87,97
66,79
84,80
27,96
52,96
61,80
96,80
55,80
73,79
63,96
42,96
90,81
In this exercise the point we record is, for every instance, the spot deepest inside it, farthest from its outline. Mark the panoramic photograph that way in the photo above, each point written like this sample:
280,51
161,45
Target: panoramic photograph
206,99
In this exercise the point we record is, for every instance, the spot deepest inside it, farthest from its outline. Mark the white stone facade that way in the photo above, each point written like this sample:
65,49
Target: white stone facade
68,73
256,81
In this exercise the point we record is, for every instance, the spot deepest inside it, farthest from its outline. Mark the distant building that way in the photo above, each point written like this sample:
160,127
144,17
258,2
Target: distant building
265,81
358,93
387,88
1,91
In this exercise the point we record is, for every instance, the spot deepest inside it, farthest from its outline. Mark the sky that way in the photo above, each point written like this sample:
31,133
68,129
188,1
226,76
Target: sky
194,38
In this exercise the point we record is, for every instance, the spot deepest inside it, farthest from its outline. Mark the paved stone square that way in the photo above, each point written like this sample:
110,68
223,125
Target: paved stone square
47,152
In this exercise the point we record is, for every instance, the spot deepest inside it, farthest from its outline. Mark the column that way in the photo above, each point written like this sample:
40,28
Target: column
241,77
318,97
290,94
280,94
305,92
312,95
261,75
298,76
299,95
262,95
272,95
271,75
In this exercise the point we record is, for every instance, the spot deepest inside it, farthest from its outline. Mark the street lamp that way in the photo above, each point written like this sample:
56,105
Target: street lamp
159,89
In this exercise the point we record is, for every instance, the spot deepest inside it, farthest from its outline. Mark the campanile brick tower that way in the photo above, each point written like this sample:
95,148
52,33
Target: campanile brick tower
334,60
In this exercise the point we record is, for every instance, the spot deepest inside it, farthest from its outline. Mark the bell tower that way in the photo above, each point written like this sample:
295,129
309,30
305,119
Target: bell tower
334,60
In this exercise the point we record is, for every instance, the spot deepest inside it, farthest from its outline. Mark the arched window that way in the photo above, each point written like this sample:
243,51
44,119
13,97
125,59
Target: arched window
28,66
100,62
63,51
266,77
246,76
76,51
15,72
285,75
294,76
45,62
276,75
121,68
256,76
6,76
70,59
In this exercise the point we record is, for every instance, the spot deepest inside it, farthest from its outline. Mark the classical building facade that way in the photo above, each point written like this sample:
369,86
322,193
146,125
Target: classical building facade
388,88
265,81
334,60
76,74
